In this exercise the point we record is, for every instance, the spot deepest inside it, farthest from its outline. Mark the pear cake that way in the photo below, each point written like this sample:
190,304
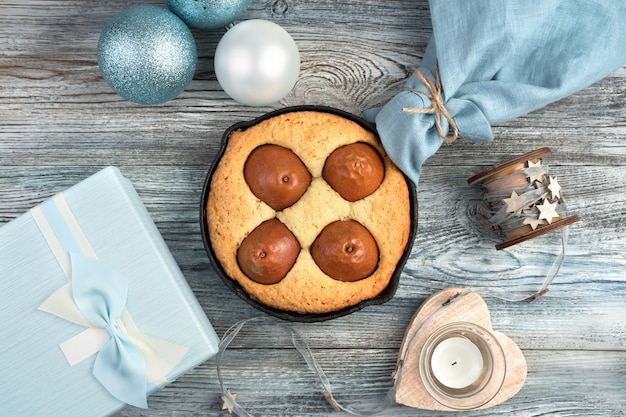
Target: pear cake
306,212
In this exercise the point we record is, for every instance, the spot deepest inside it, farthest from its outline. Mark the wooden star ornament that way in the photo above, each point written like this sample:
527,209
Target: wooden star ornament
554,187
547,211
535,174
515,203
533,222
229,400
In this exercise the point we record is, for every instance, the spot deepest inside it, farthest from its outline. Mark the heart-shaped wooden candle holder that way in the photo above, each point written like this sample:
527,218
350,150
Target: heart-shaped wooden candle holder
451,329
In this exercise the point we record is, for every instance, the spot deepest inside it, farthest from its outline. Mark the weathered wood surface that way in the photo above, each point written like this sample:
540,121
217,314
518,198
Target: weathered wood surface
59,123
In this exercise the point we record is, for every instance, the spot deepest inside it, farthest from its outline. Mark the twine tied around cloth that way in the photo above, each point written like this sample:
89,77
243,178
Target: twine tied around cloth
436,105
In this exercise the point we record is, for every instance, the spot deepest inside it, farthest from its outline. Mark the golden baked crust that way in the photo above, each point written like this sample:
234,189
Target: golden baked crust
233,212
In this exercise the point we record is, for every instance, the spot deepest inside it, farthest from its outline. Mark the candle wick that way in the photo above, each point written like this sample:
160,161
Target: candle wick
454,364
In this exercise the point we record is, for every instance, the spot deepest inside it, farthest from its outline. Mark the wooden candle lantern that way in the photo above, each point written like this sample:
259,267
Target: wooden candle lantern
455,315
520,199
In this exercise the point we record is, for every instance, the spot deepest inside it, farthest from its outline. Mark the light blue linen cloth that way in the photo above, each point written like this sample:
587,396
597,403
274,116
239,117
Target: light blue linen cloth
499,60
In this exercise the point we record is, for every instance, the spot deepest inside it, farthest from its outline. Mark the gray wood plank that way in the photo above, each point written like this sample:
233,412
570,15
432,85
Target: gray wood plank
60,122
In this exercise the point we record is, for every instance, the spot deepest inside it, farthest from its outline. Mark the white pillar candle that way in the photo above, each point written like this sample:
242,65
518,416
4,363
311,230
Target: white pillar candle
456,362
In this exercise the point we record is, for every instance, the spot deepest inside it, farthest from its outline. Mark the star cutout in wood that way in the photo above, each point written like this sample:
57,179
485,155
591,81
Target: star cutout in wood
515,203
534,222
547,211
554,187
229,400
535,174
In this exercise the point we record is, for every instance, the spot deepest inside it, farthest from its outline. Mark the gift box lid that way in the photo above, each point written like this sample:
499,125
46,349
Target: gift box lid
104,209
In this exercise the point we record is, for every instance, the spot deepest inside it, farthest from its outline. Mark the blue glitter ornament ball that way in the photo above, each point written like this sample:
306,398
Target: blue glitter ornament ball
208,14
147,54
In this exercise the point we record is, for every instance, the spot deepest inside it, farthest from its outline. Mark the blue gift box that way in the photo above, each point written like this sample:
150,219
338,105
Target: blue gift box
92,305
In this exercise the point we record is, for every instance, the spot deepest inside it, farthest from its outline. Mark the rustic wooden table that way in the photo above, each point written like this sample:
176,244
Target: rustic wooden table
60,122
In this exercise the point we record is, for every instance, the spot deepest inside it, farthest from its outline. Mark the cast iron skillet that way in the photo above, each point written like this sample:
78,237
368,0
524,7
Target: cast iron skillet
381,298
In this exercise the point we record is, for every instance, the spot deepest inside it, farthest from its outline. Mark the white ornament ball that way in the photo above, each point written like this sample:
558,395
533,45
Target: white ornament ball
257,62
